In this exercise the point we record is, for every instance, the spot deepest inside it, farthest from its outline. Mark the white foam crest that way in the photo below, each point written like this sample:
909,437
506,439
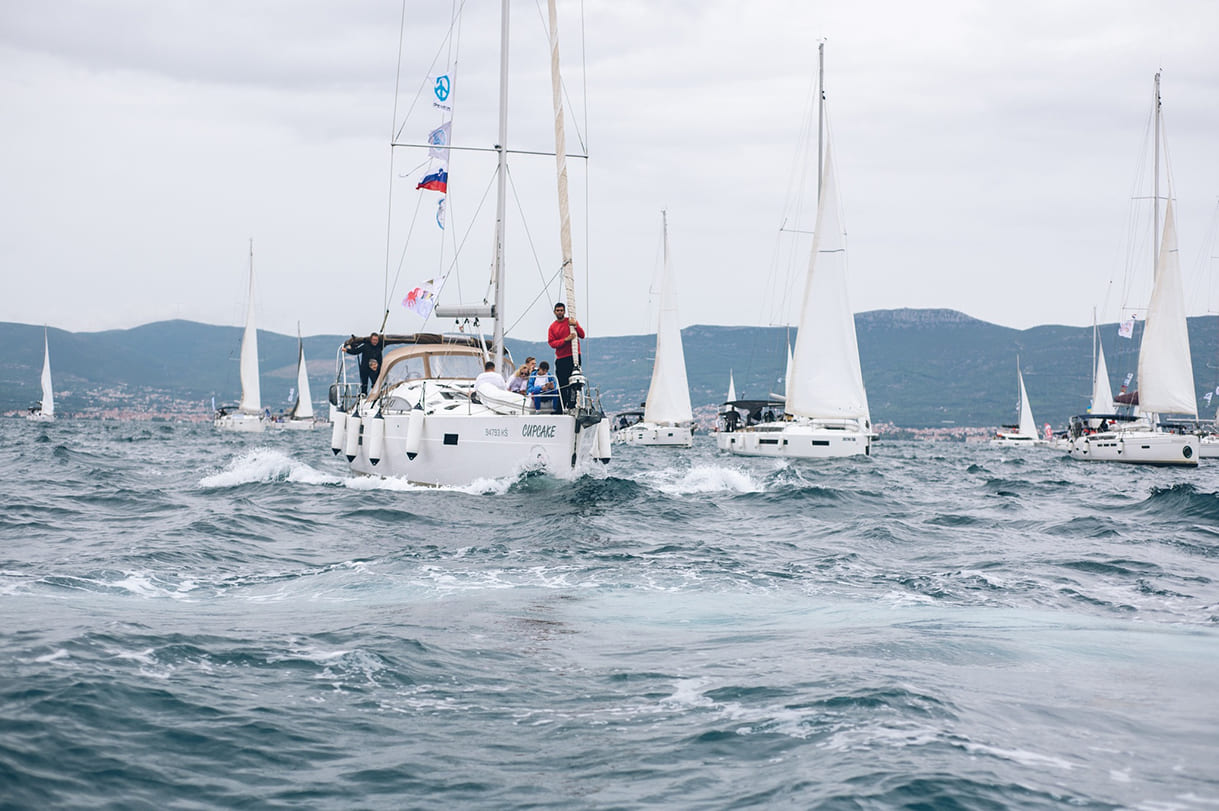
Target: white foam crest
266,465
1021,756
53,657
701,479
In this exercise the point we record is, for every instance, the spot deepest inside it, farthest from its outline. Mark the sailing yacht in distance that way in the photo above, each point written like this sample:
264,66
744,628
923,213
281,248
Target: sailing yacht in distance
1024,433
1165,368
247,416
45,410
825,407
435,415
301,417
667,418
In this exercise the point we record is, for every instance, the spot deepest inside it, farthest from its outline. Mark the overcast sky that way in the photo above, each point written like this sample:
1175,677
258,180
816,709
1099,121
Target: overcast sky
987,154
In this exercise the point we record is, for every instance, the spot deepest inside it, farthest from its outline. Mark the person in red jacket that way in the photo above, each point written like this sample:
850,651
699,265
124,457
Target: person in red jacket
559,337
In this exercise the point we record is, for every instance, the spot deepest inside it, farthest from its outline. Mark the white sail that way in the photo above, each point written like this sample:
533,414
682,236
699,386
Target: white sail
1166,372
669,393
251,394
303,410
1028,426
731,388
48,396
826,380
1102,392
787,372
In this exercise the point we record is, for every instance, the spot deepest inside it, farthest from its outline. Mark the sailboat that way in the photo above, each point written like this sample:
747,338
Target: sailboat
1025,431
426,419
247,416
825,408
45,410
1165,369
300,418
667,417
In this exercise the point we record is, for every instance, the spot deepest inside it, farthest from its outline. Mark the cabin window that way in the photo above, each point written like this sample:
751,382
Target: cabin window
405,369
465,367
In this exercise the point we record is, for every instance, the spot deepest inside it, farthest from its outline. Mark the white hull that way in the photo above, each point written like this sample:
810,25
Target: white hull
796,440
457,449
296,425
1208,447
40,417
1017,441
1137,447
240,423
646,433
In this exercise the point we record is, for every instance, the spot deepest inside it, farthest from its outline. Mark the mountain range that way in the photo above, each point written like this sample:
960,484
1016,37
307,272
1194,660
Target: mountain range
922,368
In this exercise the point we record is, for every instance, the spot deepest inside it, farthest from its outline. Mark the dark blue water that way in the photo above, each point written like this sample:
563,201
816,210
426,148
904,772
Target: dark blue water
191,620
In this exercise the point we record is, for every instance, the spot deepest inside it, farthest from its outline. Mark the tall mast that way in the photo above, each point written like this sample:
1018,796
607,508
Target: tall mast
1155,195
501,189
820,113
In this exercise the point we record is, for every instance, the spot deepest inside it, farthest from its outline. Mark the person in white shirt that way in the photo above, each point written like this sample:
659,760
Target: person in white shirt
490,376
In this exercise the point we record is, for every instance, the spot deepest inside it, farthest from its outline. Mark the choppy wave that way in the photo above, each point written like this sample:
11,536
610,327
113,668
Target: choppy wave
241,623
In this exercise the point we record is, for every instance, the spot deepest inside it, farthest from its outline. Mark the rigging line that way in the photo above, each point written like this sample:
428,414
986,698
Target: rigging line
457,248
423,83
389,202
529,239
536,299
402,257
588,237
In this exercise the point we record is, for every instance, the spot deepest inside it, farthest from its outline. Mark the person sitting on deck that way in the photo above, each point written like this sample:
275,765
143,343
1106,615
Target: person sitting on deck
489,376
542,386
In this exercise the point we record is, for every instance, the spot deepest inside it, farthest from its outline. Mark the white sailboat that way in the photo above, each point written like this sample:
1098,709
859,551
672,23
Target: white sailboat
45,410
247,417
425,419
1025,431
1165,369
667,418
825,408
301,417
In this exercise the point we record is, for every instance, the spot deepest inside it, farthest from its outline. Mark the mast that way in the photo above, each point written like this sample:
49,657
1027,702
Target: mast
820,113
1155,195
560,152
501,189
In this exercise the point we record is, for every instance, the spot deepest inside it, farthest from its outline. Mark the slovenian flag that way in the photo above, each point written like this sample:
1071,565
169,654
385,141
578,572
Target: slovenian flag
437,181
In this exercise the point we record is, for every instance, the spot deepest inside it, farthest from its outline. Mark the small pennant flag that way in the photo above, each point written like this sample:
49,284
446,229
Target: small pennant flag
421,300
436,181
438,141
440,213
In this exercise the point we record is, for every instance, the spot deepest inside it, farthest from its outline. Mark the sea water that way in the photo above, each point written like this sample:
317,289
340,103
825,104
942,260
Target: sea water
199,620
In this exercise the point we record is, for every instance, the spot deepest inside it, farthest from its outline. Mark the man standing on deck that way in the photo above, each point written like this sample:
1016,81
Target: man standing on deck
563,331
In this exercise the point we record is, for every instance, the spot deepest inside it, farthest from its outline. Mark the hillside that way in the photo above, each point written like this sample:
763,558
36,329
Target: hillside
922,368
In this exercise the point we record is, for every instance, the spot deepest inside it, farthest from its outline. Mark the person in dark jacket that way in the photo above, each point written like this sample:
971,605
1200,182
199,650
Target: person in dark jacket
369,349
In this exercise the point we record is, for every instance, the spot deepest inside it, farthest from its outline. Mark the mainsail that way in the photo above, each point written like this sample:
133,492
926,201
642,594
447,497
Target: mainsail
1166,373
251,395
669,393
48,396
1028,427
1102,392
826,380
303,410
